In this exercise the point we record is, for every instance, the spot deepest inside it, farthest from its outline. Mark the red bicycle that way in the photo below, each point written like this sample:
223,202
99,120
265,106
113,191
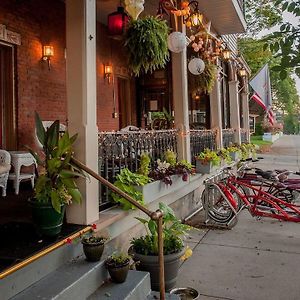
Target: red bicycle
226,194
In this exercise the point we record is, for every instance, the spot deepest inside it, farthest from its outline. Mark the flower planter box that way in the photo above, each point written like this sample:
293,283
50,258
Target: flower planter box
269,137
157,189
235,156
204,168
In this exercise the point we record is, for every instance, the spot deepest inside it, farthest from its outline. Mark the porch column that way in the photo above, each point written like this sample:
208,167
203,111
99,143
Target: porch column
216,113
81,97
180,101
245,105
235,110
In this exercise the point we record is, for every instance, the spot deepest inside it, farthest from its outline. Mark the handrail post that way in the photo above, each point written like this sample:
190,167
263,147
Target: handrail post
161,258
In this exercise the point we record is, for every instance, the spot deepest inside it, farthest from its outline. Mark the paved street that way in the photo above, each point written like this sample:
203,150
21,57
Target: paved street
256,259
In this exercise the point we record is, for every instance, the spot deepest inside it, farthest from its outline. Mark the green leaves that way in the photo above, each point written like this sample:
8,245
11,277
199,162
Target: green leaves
40,130
146,43
57,185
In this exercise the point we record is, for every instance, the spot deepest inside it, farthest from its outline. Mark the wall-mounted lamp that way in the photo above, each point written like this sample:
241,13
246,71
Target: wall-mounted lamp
197,97
243,72
48,52
226,54
108,72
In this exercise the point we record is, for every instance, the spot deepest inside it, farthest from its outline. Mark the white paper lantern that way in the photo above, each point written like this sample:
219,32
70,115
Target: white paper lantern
196,66
177,41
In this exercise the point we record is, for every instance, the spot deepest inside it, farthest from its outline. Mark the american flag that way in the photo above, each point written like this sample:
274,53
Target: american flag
262,95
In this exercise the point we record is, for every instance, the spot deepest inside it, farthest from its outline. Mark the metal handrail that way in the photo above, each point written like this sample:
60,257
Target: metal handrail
154,215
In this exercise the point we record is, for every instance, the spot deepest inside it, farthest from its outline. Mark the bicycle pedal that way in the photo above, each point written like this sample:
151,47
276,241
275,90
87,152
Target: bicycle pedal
258,218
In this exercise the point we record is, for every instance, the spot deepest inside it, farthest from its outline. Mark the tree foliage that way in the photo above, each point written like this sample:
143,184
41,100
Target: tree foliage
284,91
285,42
261,15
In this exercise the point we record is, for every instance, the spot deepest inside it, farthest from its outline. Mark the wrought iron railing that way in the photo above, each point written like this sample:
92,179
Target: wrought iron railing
228,137
118,150
200,140
244,135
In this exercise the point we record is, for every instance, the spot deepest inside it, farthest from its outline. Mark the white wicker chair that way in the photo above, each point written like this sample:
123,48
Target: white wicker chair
4,170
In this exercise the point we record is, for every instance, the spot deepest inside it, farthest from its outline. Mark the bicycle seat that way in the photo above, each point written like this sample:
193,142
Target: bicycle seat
264,174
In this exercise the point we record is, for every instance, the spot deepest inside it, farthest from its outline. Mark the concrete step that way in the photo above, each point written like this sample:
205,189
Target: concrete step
35,271
136,287
74,280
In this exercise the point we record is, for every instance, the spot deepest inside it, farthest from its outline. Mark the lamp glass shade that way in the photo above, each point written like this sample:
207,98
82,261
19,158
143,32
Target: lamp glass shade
196,19
107,70
226,54
48,51
196,66
177,42
243,72
116,22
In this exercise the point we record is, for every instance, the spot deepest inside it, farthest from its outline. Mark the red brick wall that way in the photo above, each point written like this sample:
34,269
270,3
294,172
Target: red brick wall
110,51
37,88
45,91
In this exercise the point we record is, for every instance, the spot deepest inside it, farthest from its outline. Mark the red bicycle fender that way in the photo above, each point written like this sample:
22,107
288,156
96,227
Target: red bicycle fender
229,196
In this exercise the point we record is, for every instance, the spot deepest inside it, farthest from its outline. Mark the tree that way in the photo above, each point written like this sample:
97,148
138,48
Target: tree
285,43
261,15
284,91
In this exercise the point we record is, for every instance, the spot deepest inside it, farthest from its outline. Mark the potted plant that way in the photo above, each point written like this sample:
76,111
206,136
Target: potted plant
118,266
93,247
146,44
225,156
206,160
234,152
127,181
144,249
55,186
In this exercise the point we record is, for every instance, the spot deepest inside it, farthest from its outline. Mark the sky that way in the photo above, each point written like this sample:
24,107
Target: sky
293,20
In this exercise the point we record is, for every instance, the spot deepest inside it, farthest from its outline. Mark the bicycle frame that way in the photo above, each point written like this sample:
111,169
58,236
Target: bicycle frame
260,203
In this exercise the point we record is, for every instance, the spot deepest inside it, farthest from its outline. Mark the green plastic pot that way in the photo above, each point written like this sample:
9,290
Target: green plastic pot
47,220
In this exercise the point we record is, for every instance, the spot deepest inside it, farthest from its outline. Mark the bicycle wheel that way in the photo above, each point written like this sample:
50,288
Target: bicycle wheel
217,207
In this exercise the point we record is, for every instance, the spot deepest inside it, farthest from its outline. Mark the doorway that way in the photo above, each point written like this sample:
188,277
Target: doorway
8,126
124,103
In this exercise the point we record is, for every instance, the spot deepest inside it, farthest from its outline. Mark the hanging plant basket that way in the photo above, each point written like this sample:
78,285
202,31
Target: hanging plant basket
146,44
205,81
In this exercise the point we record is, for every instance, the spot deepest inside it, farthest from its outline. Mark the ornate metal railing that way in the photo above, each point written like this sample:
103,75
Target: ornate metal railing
244,135
200,140
228,137
118,150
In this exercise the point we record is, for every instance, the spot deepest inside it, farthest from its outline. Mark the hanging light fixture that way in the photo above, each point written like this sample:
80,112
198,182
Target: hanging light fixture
243,72
194,18
116,22
226,53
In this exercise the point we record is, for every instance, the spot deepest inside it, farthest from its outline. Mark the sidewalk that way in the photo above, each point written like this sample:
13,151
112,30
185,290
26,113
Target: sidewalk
256,259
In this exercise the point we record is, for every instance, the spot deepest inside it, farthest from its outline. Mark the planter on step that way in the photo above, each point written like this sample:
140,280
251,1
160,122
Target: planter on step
157,189
118,271
149,263
93,247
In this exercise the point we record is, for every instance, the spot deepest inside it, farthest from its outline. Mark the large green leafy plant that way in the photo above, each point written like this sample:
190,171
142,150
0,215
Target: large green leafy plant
126,181
146,44
56,181
173,233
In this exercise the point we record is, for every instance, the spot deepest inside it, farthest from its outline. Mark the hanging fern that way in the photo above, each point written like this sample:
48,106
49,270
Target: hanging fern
146,43
205,81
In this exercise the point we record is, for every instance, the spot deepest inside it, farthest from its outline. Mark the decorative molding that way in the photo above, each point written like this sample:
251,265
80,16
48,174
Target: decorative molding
9,36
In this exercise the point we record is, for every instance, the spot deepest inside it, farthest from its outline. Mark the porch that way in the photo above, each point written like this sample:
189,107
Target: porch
78,89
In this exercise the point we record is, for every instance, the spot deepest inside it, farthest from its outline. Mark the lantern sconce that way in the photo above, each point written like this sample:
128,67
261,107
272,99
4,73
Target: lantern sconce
226,54
48,52
116,22
243,72
108,72
197,97
195,18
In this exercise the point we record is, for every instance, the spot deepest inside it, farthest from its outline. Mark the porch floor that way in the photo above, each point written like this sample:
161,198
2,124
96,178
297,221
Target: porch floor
18,237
